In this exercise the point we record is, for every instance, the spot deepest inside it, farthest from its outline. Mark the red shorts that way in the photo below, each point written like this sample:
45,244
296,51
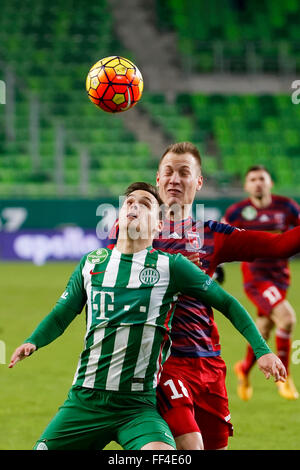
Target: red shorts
192,397
265,295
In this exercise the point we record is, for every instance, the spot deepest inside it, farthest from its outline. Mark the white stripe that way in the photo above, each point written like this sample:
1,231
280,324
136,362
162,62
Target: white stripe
156,297
144,357
88,287
118,356
112,268
87,281
92,366
109,280
138,262
283,334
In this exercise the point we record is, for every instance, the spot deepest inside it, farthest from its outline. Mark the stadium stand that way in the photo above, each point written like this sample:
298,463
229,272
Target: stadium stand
228,129
34,48
236,36
235,132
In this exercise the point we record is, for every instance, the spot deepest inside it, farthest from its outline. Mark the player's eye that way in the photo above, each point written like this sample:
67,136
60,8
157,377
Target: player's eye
130,201
146,204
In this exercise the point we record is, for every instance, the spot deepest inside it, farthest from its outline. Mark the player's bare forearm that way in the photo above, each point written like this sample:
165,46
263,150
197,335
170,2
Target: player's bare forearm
23,351
270,364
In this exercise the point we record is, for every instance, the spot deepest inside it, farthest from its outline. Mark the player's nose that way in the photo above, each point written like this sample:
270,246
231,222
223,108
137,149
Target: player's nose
174,178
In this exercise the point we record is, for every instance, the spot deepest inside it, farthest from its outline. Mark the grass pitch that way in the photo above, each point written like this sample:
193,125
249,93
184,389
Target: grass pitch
33,390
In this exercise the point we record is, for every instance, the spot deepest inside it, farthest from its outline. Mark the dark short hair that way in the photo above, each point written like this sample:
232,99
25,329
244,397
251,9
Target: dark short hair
257,168
142,186
183,147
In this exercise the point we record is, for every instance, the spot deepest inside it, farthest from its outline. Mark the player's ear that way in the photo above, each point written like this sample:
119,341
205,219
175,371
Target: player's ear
160,225
157,178
200,182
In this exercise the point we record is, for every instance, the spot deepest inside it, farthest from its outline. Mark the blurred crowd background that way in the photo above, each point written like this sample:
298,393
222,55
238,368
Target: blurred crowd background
218,74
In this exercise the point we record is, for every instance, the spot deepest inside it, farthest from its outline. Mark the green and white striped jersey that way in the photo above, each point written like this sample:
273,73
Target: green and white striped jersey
130,301
129,306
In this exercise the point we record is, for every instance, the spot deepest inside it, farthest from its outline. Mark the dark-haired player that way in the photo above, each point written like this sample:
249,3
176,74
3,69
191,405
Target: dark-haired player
266,281
129,293
192,395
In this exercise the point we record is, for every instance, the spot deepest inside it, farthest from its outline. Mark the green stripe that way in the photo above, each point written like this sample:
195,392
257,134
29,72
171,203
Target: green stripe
135,341
151,369
136,331
124,270
161,329
84,358
105,357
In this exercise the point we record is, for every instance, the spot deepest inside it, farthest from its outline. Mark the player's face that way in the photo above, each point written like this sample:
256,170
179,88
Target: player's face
258,184
139,215
178,179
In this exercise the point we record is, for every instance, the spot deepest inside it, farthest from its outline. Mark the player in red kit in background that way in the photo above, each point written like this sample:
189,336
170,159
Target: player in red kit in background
266,281
192,395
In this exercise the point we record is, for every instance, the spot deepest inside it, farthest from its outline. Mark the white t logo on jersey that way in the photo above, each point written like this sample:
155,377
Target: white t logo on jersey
109,308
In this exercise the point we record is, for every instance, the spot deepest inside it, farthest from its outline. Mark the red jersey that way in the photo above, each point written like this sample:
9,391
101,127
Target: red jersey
194,331
280,215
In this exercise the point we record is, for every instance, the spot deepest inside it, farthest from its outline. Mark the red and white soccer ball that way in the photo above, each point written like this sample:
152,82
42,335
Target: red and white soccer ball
114,84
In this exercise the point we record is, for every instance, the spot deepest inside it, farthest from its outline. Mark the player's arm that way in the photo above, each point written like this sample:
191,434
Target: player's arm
248,245
194,282
54,324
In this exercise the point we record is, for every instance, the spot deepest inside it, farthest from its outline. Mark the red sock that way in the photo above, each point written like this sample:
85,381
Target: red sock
249,360
283,345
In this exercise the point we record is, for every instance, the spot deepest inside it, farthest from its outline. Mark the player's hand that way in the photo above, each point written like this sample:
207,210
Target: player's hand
21,352
195,258
219,274
270,364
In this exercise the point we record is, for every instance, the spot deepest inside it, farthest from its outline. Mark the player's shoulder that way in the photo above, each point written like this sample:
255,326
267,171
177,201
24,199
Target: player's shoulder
234,211
157,252
218,227
97,256
283,200
173,258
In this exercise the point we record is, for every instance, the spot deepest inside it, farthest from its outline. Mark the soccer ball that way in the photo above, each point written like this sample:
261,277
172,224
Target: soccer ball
114,84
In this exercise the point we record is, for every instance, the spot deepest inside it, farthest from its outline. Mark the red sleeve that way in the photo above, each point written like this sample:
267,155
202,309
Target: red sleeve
295,213
248,245
113,235
228,216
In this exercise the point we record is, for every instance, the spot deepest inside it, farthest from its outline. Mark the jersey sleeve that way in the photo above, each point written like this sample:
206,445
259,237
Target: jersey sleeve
295,213
192,281
74,297
113,235
231,216
67,307
248,245
189,279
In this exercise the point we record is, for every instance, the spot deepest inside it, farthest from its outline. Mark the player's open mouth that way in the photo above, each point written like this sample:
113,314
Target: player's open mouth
131,216
174,192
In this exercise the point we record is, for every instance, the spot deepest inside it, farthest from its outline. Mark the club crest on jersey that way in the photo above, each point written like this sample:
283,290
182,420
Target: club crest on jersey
194,240
249,213
149,276
41,446
98,256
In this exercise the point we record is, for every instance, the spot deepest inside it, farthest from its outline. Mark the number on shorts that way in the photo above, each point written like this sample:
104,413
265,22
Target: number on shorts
272,294
174,390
